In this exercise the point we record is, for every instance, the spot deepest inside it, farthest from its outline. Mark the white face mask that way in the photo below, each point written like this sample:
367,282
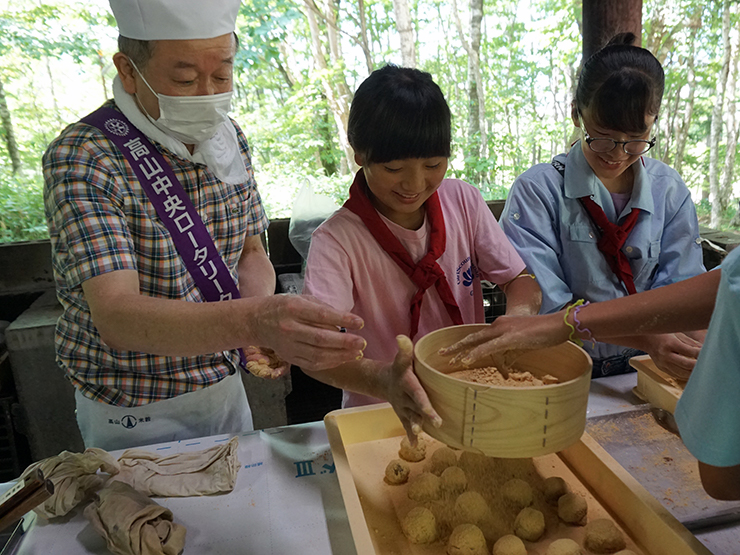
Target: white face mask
190,119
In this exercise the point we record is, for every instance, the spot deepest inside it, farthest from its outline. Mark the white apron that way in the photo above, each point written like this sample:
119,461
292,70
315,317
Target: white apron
221,408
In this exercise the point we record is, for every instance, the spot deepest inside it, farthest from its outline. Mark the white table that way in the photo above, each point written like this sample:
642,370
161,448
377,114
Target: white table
287,498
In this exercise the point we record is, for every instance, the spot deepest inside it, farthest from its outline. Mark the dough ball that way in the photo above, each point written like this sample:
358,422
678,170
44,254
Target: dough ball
573,509
625,552
564,546
442,458
509,545
471,508
413,454
517,493
529,524
453,480
397,472
467,539
555,487
603,536
419,525
424,487
475,464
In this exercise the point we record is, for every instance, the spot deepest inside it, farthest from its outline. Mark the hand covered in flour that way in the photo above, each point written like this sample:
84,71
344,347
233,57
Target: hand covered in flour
304,331
405,393
507,338
675,353
264,363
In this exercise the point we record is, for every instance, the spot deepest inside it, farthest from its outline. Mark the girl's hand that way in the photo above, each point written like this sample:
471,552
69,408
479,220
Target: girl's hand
264,363
508,337
675,353
406,394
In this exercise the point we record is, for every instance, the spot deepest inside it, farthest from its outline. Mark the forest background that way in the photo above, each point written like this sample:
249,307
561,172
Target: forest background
507,67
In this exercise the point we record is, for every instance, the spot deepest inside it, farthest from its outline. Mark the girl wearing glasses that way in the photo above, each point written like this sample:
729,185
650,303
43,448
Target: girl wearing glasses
604,221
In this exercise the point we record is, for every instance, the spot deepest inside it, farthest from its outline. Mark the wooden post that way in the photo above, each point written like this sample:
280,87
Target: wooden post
603,19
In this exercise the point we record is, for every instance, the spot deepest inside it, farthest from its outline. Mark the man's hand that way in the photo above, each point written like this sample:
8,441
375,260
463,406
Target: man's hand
304,331
405,393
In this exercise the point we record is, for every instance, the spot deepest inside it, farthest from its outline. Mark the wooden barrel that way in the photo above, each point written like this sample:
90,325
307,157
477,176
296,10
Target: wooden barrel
506,421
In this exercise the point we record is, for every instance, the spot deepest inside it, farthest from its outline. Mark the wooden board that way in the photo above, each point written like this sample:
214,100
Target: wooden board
364,440
655,386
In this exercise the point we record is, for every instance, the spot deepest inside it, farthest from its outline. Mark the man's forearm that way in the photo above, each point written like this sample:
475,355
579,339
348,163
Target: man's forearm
132,322
256,275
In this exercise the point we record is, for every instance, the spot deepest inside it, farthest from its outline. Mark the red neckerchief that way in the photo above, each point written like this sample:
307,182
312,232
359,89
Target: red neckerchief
424,274
612,239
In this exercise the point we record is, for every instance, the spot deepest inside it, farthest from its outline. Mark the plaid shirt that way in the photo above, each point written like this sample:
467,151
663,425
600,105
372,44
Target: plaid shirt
100,220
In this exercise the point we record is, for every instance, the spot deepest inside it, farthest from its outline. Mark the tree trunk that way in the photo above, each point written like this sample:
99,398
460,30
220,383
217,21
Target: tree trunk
363,38
682,128
406,32
475,145
8,133
335,87
715,198
603,19
732,128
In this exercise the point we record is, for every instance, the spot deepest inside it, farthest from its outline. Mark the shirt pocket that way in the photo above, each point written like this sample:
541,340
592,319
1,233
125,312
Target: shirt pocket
643,262
583,263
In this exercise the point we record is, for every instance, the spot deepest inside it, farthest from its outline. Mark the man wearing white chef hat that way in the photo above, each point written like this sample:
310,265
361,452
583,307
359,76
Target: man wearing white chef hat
155,223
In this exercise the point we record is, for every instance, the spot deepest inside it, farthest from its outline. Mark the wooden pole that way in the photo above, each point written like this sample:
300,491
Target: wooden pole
603,19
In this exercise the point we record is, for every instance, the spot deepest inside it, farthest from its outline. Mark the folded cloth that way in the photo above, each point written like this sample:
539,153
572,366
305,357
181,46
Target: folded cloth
203,472
75,476
133,524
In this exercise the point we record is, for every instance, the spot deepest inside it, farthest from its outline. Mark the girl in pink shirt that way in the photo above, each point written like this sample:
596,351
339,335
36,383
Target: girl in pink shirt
408,250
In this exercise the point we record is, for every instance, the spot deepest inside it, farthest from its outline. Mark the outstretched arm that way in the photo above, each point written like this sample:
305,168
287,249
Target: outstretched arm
683,306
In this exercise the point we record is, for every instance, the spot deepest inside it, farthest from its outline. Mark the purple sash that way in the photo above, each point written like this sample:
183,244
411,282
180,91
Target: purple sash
173,206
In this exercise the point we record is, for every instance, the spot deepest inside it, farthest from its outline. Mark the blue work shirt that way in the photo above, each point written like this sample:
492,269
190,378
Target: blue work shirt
555,236
708,412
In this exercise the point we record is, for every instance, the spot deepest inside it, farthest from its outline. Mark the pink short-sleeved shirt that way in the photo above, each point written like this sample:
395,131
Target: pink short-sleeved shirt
349,270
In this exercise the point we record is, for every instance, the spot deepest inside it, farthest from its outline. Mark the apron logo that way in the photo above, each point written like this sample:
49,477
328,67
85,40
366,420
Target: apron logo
128,421
117,127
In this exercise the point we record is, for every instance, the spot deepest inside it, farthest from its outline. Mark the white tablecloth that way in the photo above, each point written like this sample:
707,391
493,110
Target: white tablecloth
286,501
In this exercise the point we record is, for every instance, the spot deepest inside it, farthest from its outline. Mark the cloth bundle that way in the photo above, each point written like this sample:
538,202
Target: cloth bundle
133,524
75,476
182,474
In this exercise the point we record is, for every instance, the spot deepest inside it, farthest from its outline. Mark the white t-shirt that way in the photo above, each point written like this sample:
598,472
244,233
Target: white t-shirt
350,271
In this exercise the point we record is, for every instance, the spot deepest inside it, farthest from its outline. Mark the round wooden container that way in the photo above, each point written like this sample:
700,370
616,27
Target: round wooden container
505,421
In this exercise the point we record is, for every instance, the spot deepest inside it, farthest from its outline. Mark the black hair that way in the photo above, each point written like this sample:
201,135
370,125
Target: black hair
620,84
399,113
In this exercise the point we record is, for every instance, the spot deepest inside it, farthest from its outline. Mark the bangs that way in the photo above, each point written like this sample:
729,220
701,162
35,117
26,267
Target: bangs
623,101
410,134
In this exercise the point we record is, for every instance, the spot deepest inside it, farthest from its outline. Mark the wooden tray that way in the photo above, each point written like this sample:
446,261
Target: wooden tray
363,440
655,386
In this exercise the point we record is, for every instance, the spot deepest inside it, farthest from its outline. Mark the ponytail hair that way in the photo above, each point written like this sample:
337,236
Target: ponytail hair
621,84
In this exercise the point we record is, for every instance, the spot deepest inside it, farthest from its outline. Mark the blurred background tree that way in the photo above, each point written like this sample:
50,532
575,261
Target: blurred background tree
508,69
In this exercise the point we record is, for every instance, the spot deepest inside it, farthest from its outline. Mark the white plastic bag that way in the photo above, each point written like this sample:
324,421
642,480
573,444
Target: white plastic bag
310,209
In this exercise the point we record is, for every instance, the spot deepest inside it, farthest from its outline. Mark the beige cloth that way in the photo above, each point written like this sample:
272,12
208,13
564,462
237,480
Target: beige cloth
75,476
133,524
203,472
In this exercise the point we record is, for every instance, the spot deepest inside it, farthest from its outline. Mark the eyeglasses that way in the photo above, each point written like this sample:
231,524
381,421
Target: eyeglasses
633,148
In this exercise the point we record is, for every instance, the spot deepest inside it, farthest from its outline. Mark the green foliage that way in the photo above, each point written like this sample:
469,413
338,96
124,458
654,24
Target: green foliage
55,67
21,207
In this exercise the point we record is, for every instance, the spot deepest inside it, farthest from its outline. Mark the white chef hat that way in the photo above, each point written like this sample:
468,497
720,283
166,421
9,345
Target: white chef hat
175,19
